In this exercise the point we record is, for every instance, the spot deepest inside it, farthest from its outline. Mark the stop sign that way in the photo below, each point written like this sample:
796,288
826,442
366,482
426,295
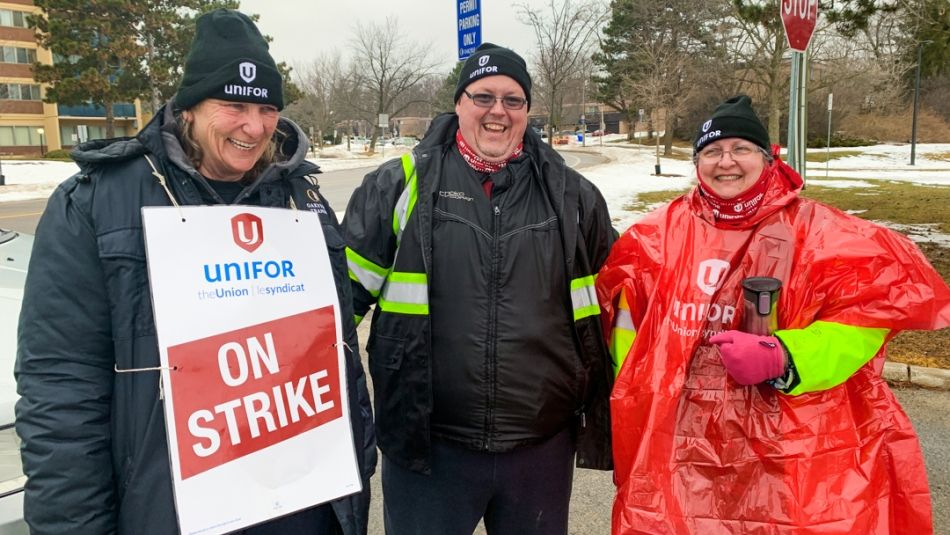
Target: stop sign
799,18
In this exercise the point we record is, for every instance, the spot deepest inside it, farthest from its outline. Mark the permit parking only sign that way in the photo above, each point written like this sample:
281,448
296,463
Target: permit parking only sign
253,368
469,15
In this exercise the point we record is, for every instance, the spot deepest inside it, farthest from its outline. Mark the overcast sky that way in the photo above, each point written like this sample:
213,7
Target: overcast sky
304,29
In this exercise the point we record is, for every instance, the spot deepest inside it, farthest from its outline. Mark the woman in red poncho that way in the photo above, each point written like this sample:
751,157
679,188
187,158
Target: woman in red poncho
790,431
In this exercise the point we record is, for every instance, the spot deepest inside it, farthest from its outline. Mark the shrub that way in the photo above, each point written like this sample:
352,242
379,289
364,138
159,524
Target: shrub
839,140
59,154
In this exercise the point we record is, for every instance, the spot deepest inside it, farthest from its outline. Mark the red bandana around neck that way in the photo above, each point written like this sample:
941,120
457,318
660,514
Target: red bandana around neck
478,163
741,207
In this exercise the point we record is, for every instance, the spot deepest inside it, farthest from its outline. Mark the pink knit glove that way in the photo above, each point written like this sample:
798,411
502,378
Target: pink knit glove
750,359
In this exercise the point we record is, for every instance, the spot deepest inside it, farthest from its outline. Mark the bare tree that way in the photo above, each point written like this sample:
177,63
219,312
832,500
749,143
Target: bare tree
565,33
758,53
385,69
326,85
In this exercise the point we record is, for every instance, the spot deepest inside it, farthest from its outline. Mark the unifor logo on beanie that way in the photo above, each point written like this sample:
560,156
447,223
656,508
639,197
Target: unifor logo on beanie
483,60
247,71
706,125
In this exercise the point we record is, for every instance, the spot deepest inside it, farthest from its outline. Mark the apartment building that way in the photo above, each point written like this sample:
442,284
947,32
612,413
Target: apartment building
29,126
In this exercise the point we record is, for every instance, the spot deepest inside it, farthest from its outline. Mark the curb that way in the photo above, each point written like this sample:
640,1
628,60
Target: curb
935,378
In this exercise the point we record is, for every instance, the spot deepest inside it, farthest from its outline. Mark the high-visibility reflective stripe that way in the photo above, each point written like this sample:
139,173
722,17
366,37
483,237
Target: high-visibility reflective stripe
621,340
405,293
407,201
357,319
584,297
371,276
624,320
827,353
622,335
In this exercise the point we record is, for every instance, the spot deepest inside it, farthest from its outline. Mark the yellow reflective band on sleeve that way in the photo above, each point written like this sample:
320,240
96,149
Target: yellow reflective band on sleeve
622,336
357,319
827,354
584,298
405,293
407,201
371,276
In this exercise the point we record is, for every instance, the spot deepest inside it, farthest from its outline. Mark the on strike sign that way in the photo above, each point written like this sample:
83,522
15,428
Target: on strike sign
253,374
234,396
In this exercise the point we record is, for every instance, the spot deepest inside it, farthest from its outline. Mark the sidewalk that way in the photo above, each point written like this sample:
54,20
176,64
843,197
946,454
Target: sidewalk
897,372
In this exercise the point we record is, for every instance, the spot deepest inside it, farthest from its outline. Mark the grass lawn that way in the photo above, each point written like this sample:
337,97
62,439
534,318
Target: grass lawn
895,202
820,156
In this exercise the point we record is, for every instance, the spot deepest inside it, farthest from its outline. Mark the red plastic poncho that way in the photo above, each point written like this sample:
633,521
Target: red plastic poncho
696,452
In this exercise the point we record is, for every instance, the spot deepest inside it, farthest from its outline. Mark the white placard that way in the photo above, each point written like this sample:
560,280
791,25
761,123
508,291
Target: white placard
254,380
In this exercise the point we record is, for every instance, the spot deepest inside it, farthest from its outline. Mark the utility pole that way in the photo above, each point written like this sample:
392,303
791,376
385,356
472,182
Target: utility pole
913,128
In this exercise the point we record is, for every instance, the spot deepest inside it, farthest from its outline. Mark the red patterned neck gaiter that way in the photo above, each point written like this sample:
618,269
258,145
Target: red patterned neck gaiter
478,163
741,207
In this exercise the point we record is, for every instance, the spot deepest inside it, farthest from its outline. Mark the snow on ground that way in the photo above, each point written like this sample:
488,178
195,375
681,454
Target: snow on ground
36,179
630,171
888,162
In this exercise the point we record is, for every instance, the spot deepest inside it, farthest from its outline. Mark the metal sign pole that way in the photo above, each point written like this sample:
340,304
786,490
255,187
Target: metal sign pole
797,106
793,113
828,149
803,115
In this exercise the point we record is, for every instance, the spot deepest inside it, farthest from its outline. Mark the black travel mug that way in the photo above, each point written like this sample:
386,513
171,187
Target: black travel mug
759,314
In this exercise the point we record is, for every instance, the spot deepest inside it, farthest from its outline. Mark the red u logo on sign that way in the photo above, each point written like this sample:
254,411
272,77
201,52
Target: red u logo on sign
248,231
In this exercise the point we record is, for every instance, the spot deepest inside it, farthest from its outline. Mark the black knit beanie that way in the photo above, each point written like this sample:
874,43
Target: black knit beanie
490,60
733,118
229,60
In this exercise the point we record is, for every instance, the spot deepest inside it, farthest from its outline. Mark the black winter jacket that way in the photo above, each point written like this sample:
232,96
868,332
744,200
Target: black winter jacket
523,363
94,444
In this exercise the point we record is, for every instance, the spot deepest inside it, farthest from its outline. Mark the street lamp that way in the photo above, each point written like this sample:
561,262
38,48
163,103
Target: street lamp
40,131
913,128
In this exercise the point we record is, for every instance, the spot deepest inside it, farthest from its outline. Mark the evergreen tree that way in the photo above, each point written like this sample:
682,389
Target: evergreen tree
292,93
112,51
97,57
444,99
617,59
921,22
166,31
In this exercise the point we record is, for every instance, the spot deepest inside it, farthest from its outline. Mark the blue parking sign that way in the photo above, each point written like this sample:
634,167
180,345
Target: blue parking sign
469,26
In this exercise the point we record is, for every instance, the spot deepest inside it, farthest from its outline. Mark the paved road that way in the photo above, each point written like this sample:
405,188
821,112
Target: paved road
21,216
593,491
337,186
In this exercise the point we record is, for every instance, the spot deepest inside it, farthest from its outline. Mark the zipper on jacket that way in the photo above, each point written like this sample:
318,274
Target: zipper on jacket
492,326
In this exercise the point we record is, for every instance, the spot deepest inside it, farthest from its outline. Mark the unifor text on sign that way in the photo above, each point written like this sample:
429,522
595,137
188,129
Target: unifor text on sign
469,26
254,379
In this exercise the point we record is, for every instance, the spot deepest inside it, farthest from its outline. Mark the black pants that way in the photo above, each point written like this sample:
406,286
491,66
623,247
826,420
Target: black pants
319,520
522,492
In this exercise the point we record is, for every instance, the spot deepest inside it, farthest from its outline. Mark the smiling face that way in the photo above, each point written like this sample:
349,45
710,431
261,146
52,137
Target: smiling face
492,132
232,135
730,166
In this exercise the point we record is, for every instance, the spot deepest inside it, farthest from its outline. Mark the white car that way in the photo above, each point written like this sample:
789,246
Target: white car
15,250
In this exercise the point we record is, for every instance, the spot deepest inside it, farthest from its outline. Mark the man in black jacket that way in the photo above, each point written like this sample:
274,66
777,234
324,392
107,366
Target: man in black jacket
489,370
94,440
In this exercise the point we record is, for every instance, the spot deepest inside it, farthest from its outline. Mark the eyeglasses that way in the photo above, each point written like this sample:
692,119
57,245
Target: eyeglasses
714,154
486,100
